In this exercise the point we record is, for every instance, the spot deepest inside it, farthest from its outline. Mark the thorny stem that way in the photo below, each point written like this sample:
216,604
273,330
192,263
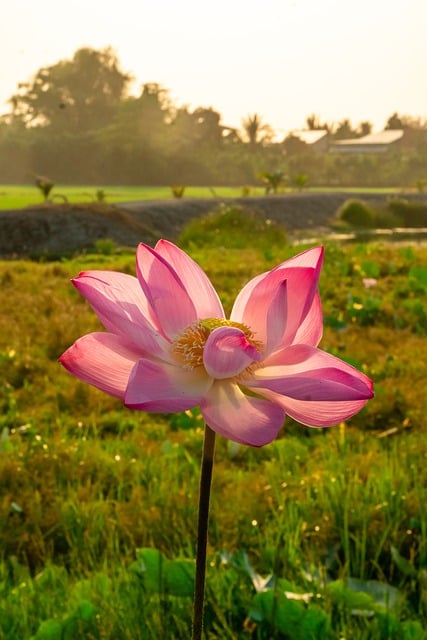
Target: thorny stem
202,531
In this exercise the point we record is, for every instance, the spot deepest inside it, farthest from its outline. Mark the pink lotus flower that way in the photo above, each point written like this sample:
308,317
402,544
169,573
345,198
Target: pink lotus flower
168,346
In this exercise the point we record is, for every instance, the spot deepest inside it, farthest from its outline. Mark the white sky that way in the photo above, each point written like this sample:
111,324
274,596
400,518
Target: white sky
284,59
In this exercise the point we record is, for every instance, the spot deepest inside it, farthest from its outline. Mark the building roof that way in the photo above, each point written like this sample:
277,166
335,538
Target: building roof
309,136
381,138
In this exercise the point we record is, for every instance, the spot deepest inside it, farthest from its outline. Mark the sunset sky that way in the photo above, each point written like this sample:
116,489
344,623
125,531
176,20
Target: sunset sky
284,59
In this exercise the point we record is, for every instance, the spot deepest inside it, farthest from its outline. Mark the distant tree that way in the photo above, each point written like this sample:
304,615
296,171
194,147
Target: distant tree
364,128
414,122
344,130
181,130
255,130
406,122
75,95
313,123
294,145
394,122
195,144
207,126
144,118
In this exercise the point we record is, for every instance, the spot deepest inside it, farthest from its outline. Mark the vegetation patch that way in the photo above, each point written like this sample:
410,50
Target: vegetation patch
394,212
412,214
322,533
233,227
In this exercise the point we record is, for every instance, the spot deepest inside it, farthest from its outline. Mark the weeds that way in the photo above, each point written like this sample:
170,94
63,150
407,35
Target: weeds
322,533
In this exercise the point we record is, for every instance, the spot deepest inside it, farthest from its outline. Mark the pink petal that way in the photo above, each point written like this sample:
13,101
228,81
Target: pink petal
227,352
122,307
321,384
194,279
311,258
302,285
163,388
310,330
165,291
316,413
312,386
301,274
104,360
276,320
252,310
236,416
299,358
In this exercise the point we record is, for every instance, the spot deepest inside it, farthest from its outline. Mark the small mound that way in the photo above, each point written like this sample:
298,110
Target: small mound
63,229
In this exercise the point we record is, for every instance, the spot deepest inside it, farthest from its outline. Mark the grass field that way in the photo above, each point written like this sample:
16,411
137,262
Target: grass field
15,196
338,516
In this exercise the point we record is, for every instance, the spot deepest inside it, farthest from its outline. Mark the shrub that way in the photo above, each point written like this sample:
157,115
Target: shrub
386,219
105,246
357,213
45,185
178,190
412,214
273,181
300,181
396,212
233,227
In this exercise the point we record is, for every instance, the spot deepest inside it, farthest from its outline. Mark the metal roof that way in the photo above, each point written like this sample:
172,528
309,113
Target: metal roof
309,136
382,137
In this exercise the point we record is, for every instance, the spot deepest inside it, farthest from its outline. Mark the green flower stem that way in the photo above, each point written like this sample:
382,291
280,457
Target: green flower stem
202,530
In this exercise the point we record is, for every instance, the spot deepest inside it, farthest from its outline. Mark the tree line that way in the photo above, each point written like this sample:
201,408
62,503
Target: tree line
76,122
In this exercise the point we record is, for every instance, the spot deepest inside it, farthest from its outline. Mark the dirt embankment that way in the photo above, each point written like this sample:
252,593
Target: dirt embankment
62,229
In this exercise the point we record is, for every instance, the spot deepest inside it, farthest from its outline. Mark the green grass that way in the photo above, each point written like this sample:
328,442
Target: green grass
85,482
16,196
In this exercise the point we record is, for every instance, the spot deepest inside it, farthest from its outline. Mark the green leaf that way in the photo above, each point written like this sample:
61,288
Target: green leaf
381,593
86,611
149,567
354,601
161,575
240,561
419,274
412,630
81,623
335,323
289,616
190,419
402,564
49,630
180,577
370,269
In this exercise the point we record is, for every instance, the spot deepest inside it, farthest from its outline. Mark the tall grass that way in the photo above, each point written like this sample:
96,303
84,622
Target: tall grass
85,483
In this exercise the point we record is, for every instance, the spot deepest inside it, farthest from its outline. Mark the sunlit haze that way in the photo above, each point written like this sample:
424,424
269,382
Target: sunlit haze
283,59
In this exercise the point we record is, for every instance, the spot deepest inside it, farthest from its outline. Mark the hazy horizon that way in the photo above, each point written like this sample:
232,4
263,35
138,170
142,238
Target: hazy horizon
282,59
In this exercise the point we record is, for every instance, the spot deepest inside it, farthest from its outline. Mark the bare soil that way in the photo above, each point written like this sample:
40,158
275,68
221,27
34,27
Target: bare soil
63,229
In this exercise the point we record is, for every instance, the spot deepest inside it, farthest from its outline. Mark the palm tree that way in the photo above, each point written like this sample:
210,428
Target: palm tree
255,130
273,181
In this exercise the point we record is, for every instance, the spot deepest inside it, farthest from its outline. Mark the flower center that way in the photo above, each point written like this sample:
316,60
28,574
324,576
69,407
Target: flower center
188,346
